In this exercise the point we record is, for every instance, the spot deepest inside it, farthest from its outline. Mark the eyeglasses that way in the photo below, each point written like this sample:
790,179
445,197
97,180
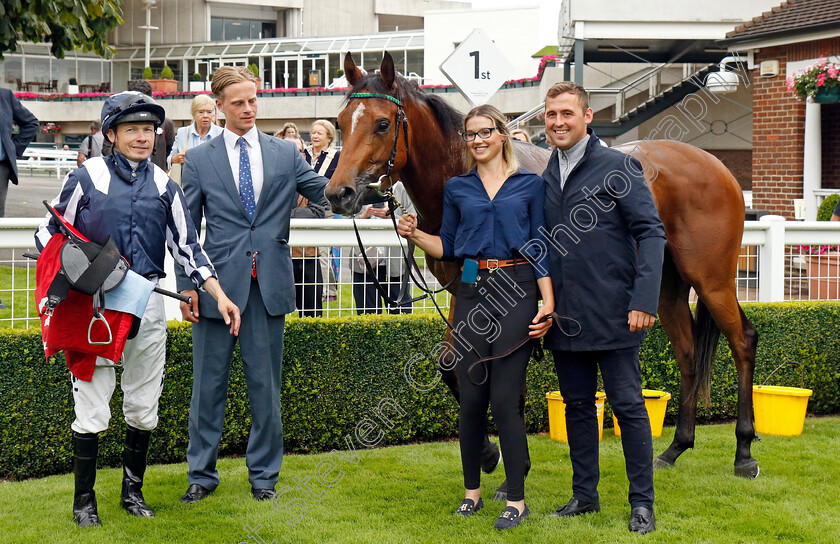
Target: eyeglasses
483,134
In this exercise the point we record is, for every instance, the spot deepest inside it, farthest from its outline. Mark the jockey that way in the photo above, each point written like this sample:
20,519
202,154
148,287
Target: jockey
128,198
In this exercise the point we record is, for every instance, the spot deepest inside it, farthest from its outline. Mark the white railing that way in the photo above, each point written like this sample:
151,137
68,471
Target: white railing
780,260
57,160
17,273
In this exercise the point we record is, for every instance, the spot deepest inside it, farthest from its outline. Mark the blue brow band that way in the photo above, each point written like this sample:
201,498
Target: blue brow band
377,95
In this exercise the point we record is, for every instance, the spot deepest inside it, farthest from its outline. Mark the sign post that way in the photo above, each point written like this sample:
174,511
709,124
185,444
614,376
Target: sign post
477,68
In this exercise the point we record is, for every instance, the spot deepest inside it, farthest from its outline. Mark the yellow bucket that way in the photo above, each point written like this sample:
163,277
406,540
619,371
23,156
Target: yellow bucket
656,402
557,415
780,411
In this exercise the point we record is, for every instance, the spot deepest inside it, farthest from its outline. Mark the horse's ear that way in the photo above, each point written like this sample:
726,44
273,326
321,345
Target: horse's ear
351,71
386,70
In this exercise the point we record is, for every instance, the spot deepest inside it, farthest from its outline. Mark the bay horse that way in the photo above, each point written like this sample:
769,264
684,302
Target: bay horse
392,130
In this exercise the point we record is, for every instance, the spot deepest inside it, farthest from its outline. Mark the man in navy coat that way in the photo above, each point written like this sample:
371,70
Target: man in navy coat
12,146
245,184
606,244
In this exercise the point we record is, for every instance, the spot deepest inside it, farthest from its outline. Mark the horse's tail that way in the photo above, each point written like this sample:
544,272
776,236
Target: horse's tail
706,336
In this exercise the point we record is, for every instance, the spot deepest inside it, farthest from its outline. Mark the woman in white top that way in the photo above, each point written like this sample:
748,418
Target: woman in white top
202,129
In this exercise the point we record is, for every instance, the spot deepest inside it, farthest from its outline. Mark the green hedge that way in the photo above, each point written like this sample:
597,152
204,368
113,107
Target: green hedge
338,371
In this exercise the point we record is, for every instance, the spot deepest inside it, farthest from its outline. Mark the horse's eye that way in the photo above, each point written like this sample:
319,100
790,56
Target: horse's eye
382,125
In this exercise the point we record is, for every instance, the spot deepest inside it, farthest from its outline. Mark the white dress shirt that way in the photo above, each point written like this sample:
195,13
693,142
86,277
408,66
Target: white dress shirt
252,142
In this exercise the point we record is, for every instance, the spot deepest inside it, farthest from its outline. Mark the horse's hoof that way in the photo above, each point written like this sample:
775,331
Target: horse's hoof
500,495
659,462
747,469
491,458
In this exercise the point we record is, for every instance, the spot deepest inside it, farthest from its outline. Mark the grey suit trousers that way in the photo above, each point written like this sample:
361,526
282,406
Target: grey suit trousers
261,344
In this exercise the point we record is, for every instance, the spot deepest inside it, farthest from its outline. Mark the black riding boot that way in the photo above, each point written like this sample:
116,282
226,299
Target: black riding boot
85,448
134,467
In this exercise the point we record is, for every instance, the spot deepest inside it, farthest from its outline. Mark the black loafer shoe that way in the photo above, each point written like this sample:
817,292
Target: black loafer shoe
262,494
469,507
575,508
642,520
195,493
510,518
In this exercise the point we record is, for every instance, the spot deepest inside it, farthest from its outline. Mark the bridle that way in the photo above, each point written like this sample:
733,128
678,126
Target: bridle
401,119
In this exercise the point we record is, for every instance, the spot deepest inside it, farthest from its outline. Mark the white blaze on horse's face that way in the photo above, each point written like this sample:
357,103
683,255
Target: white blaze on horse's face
360,110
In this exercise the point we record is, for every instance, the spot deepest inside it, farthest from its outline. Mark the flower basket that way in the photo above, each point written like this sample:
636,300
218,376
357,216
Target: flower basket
827,96
819,78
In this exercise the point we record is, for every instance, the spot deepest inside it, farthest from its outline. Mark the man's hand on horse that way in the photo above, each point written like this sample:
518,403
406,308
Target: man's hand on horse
640,320
407,225
190,311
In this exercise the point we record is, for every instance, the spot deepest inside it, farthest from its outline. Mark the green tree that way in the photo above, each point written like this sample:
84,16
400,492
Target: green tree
66,24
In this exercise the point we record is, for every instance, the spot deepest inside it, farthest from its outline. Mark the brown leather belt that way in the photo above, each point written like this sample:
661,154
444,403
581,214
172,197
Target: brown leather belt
493,264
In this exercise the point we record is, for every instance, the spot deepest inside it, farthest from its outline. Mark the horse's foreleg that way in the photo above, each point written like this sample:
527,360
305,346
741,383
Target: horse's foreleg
676,320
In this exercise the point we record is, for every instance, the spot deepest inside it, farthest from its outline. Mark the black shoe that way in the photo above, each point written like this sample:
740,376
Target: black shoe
510,518
195,493
469,507
262,494
134,468
85,449
575,508
642,520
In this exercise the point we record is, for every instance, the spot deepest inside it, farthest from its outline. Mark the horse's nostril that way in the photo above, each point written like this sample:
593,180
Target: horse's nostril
346,194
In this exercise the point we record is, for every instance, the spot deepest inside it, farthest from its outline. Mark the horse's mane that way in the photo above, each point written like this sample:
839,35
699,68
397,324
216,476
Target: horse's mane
448,118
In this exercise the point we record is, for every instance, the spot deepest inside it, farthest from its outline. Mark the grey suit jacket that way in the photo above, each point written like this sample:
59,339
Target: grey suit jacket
232,239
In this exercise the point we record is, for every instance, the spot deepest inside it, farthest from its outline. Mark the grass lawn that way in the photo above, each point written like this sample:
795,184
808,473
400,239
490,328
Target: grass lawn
19,301
405,494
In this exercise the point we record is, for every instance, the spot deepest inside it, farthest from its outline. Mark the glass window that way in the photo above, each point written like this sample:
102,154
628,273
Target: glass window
269,30
11,72
216,29
237,29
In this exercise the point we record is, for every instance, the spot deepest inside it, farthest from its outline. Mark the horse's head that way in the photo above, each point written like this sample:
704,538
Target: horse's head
374,131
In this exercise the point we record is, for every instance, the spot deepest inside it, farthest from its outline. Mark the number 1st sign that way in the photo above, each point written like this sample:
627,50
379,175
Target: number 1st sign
477,68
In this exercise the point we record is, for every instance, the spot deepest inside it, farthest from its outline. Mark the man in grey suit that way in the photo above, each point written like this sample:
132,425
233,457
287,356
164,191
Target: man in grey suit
244,184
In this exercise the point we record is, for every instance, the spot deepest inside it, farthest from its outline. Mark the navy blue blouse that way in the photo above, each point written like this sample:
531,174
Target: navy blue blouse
476,226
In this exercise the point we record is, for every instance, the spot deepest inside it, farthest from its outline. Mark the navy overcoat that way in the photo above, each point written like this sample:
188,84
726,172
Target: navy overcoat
606,245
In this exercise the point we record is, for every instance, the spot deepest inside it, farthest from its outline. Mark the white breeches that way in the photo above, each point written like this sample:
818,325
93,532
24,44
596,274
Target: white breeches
142,378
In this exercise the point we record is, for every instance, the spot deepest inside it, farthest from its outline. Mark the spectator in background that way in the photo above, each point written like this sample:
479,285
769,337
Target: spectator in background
389,263
520,135
201,130
165,136
65,147
12,146
92,145
323,158
290,132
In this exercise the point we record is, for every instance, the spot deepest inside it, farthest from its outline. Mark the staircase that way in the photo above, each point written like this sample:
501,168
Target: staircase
649,84
658,100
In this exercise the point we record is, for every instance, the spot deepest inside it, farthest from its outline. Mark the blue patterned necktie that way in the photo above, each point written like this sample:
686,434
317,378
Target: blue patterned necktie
246,184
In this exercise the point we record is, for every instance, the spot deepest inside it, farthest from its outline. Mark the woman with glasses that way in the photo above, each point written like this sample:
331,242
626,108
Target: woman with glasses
202,129
491,217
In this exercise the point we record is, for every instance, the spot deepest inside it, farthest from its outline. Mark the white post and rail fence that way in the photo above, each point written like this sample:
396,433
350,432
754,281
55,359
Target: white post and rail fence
780,260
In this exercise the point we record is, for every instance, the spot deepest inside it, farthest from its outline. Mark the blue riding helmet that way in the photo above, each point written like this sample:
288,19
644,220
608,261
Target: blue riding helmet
130,106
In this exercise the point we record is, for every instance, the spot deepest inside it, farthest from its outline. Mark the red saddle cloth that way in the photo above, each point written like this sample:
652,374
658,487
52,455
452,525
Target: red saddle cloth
66,328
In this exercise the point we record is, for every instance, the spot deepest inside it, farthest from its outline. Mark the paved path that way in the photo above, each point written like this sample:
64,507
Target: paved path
24,199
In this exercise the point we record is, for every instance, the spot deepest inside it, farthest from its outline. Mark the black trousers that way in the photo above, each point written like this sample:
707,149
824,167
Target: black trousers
309,286
577,372
492,315
368,298
5,174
